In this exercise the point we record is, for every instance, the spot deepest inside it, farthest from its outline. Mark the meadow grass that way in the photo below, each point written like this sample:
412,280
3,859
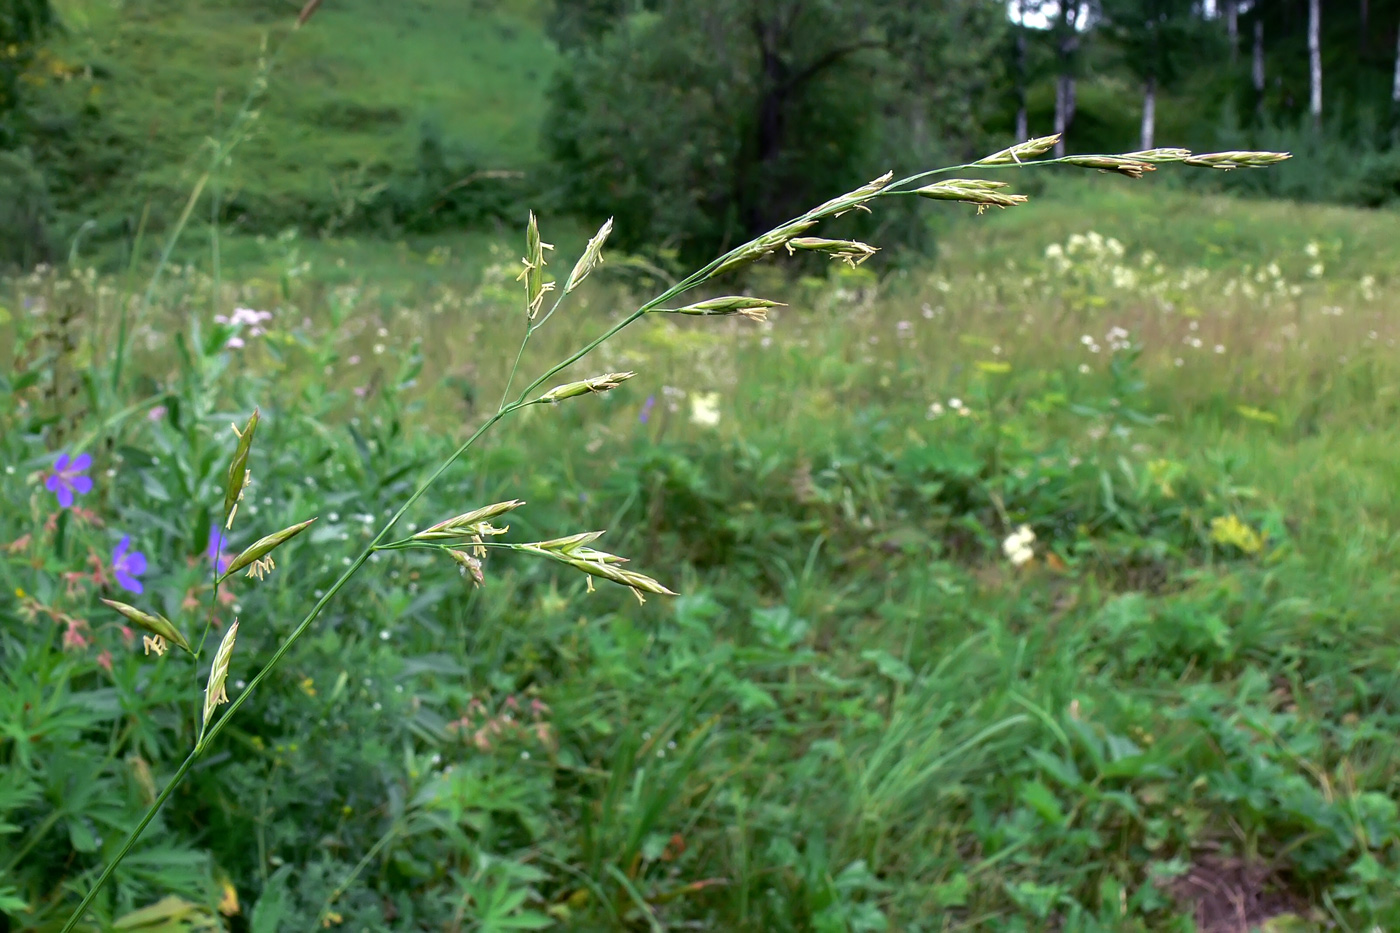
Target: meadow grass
335,122
861,715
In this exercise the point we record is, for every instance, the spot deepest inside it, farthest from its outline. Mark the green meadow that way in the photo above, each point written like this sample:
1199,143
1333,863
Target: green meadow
1046,582
861,713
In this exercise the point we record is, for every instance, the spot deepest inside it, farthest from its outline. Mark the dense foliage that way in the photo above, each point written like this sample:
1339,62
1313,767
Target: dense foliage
679,118
698,125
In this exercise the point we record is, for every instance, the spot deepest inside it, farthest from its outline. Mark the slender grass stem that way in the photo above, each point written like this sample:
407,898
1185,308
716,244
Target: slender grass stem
374,850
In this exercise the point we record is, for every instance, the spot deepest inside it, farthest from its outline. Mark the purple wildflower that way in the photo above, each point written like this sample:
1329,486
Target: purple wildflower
68,477
127,565
647,406
215,552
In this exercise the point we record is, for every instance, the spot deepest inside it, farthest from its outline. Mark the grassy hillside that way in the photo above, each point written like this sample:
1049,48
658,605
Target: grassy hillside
347,106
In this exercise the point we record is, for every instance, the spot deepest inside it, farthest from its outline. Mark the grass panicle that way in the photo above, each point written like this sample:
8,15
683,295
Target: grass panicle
575,551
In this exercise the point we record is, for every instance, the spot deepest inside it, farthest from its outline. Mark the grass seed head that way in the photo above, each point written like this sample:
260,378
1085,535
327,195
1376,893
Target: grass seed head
569,544
158,625
260,548
1237,159
1123,165
585,386
854,200
851,252
592,256
533,273
977,191
638,582
755,309
467,523
1159,155
1030,149
215,693
238,472
573,550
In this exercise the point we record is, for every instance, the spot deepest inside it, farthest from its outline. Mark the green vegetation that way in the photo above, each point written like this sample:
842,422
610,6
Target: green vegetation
433,116
1045,586
861,714
381,105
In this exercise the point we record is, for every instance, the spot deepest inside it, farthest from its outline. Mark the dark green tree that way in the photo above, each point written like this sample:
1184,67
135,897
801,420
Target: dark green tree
22,24
697,124
1160,40
24,193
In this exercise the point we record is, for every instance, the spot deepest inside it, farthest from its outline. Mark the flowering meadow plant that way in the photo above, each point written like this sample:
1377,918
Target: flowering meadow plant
69,478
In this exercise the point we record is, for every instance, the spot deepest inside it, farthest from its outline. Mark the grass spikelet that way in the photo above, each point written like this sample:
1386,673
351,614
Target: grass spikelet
1159,155
238,473
533,273
468,523
262,547
755,309
573,551
854,200
851,252
1237,159
591,258
585,386
1123,165
1030,149
216,693
977,191
158,625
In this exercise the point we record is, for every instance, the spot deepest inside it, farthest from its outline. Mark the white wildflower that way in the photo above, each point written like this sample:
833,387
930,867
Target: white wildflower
704,409
1017,546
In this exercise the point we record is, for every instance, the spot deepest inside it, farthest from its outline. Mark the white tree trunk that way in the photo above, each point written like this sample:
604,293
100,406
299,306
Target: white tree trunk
1022,120
1258,71
1315,62
1149,113
1060,122
1395,88
1068,29
1232,27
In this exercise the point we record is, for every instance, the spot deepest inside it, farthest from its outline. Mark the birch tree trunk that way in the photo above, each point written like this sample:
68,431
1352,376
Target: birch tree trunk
1258,70
1060,124
1022,120
1064,84
1395,88
1149,113
1315,62
1232,27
